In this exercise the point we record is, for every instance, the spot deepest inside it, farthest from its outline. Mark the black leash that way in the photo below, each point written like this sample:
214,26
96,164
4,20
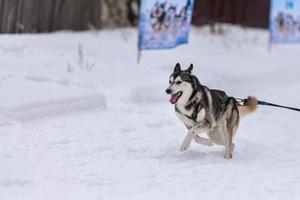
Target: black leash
270,104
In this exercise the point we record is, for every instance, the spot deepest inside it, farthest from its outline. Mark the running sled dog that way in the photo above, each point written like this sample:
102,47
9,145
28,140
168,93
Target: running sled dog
204,110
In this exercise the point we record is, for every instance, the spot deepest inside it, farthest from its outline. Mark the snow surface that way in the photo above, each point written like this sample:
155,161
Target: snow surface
80,119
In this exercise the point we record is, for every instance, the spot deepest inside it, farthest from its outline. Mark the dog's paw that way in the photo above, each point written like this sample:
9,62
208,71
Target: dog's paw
228,155
184,147
187,141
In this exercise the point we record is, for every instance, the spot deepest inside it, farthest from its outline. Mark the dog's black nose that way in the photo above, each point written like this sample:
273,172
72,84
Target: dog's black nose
168,91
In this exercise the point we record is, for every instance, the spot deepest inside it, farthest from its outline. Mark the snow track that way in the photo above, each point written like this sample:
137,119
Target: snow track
67,133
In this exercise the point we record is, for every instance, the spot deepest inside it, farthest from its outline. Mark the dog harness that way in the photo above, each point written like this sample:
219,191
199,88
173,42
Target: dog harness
194,114
221,95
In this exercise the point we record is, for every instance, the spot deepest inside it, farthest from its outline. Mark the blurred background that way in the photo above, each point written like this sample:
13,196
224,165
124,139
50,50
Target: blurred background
80,119
27,16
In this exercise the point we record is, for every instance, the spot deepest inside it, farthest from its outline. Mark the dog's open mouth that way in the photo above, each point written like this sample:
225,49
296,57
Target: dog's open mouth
174,98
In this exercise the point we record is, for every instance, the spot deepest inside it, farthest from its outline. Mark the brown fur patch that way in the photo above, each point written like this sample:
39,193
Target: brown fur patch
249,106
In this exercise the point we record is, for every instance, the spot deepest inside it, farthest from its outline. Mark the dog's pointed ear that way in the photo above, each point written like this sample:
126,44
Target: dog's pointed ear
177,68
189,70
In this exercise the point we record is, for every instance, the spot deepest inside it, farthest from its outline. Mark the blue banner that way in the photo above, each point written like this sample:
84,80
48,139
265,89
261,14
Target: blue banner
285,21
164,23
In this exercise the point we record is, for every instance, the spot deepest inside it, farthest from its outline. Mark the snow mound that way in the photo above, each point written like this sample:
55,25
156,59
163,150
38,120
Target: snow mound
36,110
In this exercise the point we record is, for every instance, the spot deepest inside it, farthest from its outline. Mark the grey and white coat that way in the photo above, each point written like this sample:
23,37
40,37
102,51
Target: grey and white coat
203,110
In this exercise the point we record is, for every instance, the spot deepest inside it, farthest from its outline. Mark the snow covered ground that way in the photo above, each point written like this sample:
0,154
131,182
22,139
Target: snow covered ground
80,119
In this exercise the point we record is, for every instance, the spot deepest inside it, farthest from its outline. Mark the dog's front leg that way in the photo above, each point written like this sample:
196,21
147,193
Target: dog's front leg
187,140
200,128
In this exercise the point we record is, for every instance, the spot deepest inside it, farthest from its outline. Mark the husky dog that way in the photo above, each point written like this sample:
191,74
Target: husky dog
204,110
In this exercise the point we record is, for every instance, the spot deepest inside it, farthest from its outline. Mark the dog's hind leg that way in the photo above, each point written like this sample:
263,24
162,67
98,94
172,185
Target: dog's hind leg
227,143
199,128
230,124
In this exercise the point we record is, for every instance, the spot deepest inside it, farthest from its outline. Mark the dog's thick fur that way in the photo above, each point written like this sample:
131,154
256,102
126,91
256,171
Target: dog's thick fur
204,110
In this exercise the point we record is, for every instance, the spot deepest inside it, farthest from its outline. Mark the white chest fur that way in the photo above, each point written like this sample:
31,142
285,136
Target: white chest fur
187,121
184,116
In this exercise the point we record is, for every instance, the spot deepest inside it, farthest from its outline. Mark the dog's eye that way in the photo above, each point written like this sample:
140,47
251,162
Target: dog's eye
178,82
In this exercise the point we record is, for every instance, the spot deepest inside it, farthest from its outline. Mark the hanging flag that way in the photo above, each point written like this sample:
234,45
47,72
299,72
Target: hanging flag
164,23
285,21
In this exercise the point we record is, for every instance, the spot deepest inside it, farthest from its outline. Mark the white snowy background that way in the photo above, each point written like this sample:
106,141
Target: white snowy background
80,119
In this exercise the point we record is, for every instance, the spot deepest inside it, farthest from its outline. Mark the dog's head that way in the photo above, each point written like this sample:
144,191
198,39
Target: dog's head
181,84
158,9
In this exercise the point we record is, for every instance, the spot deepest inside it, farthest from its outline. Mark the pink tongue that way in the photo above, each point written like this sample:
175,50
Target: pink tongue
173,98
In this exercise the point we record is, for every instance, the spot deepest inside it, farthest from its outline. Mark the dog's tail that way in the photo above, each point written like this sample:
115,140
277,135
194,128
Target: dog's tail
250,105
